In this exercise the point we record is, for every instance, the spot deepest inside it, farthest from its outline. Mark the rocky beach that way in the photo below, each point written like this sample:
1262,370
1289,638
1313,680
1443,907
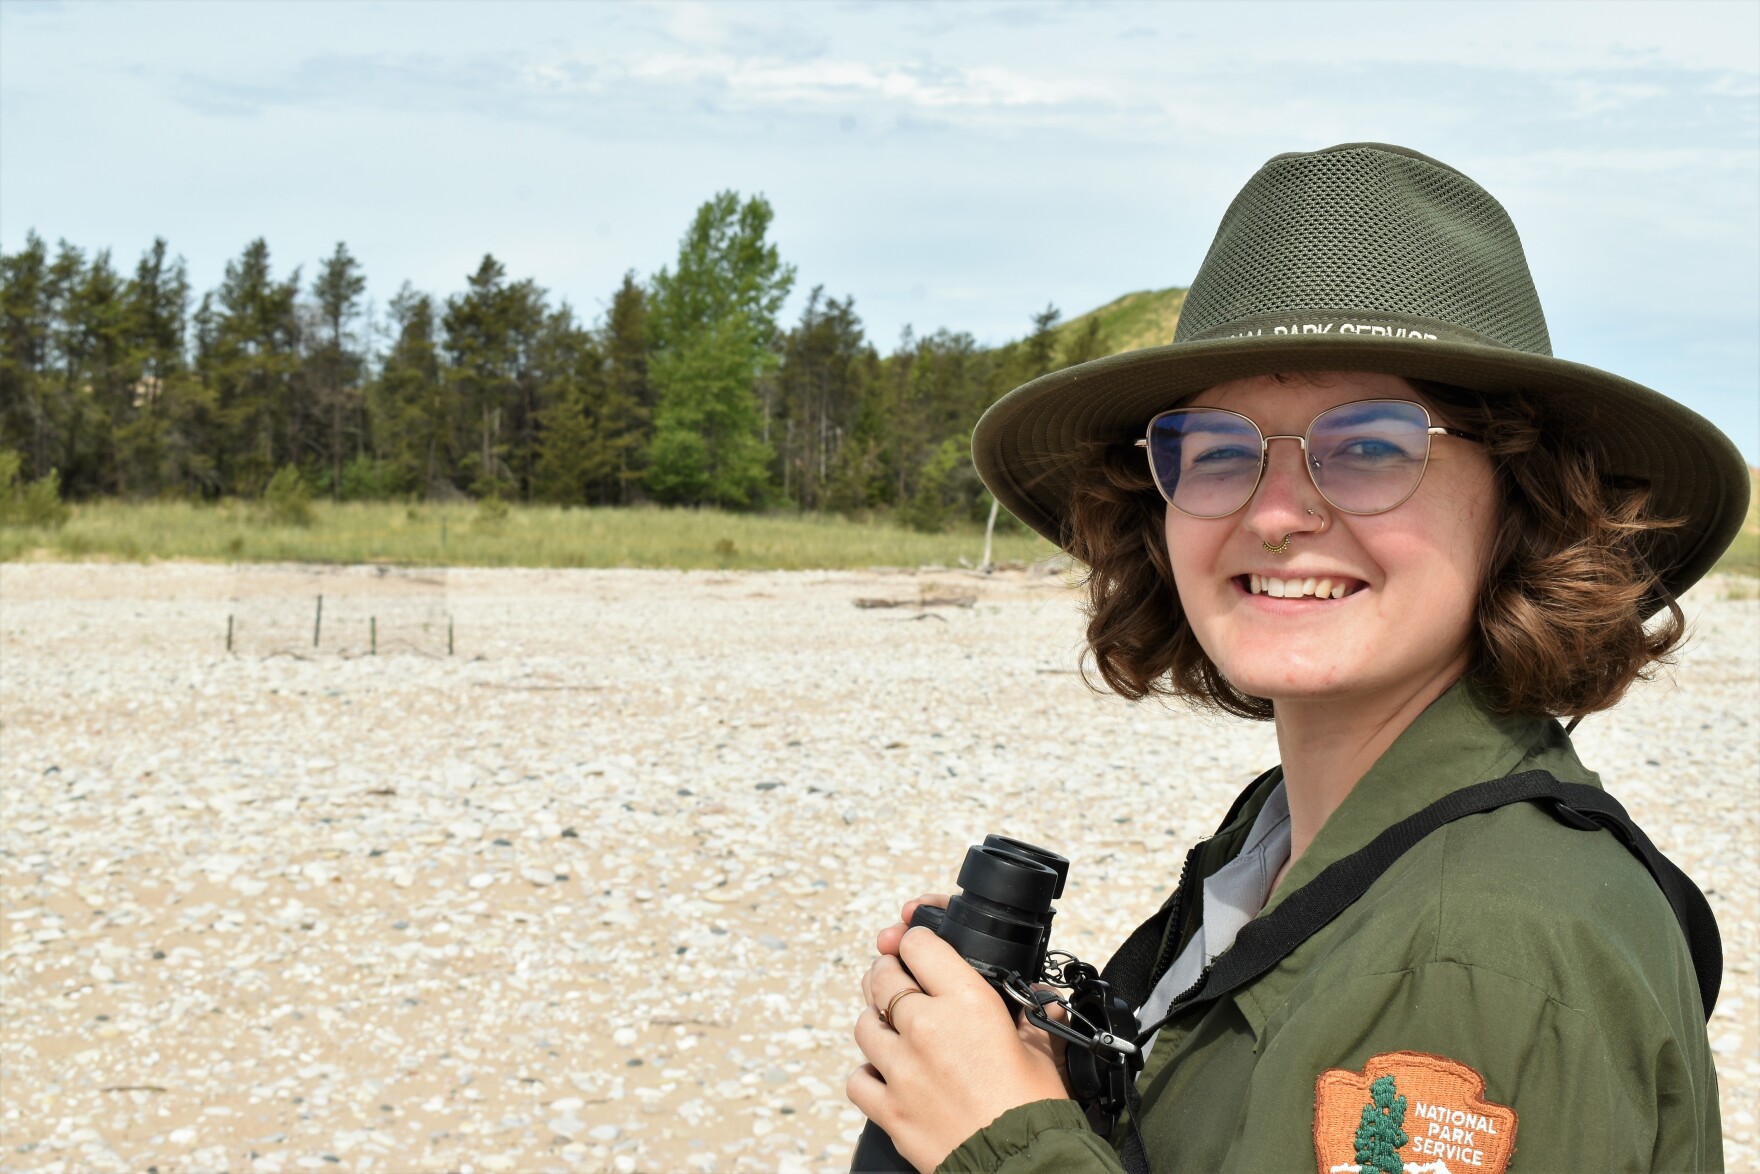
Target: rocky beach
520,870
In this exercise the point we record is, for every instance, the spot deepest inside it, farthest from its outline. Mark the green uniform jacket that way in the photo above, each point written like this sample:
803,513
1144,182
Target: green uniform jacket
1543,958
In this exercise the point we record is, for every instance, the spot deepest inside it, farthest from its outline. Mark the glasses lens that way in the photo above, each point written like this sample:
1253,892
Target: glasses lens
1368,457
1205,460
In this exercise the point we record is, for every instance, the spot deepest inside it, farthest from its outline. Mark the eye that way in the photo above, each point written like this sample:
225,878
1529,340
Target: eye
1224,453
1222,460
1370,448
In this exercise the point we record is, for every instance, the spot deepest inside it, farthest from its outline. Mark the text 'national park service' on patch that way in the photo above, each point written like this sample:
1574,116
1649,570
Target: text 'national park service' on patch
1409,1113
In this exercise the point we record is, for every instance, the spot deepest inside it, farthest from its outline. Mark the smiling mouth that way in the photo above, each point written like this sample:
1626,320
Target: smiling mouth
1313,587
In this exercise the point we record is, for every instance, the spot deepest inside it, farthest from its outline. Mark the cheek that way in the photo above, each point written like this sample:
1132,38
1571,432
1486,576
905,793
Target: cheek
1191,551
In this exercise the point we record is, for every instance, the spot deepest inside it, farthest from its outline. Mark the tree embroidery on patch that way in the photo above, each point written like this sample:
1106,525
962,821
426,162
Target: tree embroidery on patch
1410,1113
1380,1135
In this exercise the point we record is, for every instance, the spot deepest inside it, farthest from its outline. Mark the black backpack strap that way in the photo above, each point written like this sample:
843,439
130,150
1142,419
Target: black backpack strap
1265,941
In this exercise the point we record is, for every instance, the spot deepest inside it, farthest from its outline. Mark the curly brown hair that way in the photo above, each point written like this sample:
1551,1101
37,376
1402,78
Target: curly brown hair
1561,627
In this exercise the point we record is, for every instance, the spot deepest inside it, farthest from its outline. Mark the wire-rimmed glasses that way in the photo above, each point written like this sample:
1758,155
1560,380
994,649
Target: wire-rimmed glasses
1365,457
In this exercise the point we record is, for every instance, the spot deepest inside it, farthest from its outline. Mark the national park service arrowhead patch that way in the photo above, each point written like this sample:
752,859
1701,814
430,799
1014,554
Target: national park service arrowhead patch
1409,1113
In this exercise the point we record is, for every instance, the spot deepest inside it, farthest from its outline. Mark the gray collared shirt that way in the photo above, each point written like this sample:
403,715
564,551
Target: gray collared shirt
1233,895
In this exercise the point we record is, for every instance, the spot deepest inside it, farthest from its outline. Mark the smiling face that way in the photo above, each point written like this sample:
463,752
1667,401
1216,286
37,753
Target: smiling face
1398,611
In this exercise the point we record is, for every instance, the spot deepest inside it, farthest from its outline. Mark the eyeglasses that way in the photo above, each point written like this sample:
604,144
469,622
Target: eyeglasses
1364,457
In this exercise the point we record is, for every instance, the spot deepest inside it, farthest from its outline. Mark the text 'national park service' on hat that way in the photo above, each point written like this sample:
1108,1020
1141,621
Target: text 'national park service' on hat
1369,257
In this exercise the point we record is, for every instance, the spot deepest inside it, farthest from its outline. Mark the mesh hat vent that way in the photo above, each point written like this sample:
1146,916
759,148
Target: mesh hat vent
1367,229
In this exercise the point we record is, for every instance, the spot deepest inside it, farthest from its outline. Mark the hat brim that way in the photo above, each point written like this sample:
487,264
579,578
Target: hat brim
1027,445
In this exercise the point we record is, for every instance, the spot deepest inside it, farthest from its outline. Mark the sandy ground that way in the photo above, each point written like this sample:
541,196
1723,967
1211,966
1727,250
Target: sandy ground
594,891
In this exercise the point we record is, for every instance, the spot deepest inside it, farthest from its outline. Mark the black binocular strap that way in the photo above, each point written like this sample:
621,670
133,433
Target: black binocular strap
1265,941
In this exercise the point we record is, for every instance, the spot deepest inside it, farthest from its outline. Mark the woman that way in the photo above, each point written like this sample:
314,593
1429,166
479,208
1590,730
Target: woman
1359,497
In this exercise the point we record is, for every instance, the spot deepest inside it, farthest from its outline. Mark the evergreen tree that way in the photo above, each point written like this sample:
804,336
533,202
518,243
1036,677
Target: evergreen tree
571,461
1380,1135
1038,350
166,445
412,405
490,330
248,349
27,330
827,369
712,319
627,410
335,363
99,378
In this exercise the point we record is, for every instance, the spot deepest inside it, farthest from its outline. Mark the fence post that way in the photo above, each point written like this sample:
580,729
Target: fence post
229,633
318,621
989,536
373,632
448,635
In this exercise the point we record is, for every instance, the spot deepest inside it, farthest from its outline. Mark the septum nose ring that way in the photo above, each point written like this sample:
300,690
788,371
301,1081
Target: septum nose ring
1284,545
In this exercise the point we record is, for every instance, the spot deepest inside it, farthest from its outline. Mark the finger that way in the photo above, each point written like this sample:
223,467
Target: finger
885,978
937,966
872,979
887,940
866,1090
900,1007
939,900
886,981
879,1043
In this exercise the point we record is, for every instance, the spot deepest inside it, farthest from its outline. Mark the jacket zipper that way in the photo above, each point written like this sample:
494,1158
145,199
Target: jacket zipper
1174,922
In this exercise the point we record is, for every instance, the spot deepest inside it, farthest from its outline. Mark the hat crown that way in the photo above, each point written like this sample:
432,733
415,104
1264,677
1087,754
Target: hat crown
1360,237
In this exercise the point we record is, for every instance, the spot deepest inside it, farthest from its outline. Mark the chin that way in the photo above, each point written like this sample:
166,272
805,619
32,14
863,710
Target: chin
1291,679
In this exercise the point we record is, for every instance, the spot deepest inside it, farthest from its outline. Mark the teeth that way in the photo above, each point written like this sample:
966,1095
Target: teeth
1297,588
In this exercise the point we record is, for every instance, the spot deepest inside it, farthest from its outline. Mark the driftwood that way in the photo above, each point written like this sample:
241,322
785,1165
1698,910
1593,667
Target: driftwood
921,602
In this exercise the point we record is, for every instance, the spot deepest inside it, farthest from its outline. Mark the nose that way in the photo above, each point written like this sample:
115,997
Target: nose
1286,500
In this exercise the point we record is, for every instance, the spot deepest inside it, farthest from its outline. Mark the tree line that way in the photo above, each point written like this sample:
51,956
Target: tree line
686,390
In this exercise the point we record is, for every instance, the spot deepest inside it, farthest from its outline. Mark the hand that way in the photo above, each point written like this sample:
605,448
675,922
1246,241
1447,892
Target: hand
953,1060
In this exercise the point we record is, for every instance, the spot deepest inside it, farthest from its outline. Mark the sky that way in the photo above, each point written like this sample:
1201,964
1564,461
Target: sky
947,165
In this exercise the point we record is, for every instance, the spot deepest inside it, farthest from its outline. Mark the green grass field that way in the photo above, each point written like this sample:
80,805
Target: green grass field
1743,556
528,536
465,535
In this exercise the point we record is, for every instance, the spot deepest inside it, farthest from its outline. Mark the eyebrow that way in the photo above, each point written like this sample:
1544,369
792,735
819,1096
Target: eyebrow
1362,414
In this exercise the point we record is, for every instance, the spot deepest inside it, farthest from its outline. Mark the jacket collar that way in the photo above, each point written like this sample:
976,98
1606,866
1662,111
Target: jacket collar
1454,743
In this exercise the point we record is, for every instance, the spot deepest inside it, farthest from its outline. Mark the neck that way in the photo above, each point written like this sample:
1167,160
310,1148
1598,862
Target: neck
1327,744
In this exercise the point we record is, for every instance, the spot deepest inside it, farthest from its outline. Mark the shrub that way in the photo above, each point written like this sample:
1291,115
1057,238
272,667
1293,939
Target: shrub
287,501
491,514
365,479
35,504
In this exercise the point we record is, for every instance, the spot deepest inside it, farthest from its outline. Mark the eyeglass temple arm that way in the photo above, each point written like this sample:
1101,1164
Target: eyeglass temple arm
1435,430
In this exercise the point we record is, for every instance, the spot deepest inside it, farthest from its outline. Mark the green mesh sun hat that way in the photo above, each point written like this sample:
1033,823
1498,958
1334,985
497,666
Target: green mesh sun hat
1368,257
